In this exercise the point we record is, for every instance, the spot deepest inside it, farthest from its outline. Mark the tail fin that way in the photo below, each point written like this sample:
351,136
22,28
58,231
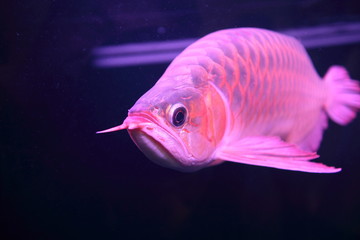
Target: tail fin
343,99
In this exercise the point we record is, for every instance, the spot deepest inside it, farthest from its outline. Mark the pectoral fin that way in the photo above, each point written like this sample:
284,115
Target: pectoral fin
272,152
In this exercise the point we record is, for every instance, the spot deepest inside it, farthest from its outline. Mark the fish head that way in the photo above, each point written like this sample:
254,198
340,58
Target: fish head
172,126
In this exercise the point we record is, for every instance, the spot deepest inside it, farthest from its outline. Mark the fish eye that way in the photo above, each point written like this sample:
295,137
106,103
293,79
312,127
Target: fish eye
178,115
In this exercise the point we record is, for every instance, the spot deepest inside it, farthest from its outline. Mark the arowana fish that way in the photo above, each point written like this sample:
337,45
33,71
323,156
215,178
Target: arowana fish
243,95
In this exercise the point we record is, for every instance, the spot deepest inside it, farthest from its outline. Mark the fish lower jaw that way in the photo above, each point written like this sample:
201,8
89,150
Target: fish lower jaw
154,150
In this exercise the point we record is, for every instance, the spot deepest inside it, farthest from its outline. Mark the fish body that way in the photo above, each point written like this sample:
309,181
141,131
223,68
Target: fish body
243,95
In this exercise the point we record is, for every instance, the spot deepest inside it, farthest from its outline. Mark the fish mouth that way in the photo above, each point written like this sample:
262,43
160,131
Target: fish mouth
156,141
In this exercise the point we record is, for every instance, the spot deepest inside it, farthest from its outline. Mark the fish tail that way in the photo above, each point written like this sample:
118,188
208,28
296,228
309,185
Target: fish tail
343,97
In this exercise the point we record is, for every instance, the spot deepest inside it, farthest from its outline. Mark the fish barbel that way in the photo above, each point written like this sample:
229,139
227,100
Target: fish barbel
243,95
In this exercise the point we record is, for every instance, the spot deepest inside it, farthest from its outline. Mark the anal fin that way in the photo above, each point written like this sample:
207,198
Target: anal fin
312,140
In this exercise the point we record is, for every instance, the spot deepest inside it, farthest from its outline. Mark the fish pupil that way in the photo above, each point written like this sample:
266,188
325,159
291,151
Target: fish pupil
179,116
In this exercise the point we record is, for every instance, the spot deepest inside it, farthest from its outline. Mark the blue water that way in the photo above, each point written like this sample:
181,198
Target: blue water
61,181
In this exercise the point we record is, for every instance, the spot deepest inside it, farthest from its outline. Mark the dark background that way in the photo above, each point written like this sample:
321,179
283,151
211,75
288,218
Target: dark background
61,181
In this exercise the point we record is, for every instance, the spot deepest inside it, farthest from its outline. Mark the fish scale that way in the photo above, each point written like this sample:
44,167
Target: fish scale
255,75
247,59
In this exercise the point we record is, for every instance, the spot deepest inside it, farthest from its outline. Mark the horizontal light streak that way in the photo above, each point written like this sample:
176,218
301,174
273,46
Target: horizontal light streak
135,54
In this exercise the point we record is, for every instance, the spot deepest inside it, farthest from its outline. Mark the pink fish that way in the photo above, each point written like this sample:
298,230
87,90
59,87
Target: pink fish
242,95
